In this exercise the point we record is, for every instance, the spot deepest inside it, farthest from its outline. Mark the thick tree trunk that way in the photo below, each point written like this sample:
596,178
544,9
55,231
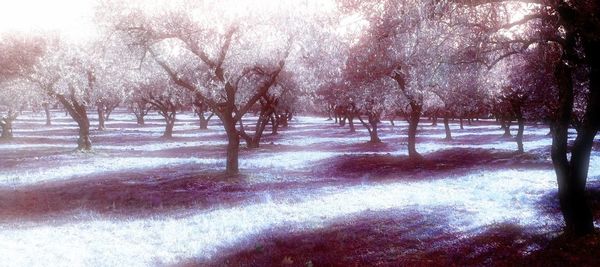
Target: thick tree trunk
233,147
46,107
140,119
571,176
77,111
371,127
447,128
169,129
83,142
373,133
413,123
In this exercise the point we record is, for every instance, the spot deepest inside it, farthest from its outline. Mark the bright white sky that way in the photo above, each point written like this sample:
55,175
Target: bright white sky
73,18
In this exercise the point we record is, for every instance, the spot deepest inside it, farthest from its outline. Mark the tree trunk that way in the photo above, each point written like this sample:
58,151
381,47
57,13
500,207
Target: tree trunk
351,123
571,176
461,124
84,143
413,123
169,128
373,133
101,117
46,107
507,124
434,121
77,111
519,137
233,147
140,119
6,125
274,124
447,128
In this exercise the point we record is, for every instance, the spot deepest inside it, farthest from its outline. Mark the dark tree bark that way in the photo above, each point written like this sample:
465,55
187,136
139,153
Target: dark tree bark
77,111
413,123
416,111
447,128
268,105
200,108
351,121
109,107
519,137
506,123
275,124
140,109
462,127
6,124
571,175
167,109
372,121
101,116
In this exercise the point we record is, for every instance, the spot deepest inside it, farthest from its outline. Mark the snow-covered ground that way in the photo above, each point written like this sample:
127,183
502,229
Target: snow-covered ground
477,198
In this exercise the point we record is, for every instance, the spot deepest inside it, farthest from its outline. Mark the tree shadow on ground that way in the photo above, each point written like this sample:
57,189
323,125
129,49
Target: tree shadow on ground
139,194
399,238
437,162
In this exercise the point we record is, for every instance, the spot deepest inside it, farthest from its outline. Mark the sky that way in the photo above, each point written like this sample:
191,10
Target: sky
72,18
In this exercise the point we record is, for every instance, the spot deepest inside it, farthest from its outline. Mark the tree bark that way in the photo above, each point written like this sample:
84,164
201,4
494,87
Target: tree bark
413,123
169,128
6,125
507,124
46,107
233,147
571,176
519,137
101,117
78,112
140,119
447,128
351,122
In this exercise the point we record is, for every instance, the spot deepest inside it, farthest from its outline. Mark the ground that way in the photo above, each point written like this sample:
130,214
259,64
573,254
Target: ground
314,194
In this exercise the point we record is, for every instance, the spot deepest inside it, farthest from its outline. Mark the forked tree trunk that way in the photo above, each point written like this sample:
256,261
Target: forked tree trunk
77,111
140,119
371,126
572,175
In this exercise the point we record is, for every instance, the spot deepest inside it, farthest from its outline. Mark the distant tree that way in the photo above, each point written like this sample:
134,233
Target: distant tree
19,54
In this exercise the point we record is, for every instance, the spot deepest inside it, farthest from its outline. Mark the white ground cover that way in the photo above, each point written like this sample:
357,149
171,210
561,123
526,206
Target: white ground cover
473,200
482,197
